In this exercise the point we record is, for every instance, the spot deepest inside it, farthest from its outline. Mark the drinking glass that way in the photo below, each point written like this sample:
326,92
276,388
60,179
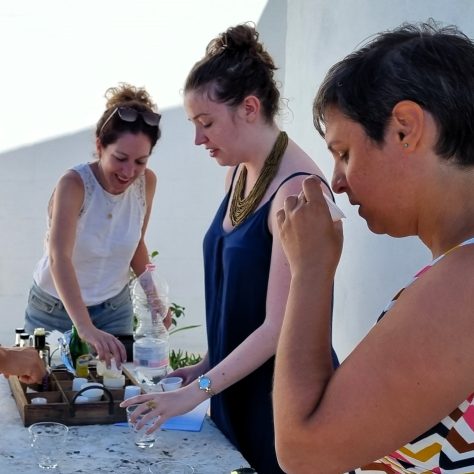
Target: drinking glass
47,440
142,440
171,467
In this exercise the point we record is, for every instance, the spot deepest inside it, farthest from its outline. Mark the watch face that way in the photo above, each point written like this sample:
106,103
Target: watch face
204,383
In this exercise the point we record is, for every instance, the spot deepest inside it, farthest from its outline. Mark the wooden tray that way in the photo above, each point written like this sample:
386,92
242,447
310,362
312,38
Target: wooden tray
60,406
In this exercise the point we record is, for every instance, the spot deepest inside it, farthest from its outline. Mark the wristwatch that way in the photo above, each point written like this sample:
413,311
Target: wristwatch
205,385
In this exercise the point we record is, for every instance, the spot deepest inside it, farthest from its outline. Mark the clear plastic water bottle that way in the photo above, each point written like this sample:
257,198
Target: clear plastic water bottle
151,346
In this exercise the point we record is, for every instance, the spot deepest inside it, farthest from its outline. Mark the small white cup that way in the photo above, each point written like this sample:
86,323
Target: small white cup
114,382
171,383
77,383
81,399
39,401
94,391
131,391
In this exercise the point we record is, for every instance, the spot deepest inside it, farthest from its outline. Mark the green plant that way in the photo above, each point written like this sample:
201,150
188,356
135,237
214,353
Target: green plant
179,359
177,311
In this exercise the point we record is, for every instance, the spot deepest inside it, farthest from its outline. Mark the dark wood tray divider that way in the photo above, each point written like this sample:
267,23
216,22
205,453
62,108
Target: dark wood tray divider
61,407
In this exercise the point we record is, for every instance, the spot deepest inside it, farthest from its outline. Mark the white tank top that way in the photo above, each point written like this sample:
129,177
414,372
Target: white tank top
108,231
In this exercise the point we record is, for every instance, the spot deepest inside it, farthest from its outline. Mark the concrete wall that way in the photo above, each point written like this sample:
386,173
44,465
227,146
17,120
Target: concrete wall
190,188
305,37
319,33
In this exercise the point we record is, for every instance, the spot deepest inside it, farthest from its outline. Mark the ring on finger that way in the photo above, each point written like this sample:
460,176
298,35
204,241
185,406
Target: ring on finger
151,404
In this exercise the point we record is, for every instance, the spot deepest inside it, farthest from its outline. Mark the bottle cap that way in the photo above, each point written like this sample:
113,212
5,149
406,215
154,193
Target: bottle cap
19,330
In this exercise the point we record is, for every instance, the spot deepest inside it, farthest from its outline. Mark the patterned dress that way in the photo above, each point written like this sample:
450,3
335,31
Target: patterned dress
447,447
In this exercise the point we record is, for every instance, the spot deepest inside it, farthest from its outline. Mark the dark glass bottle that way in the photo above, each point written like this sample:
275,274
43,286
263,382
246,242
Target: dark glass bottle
78,348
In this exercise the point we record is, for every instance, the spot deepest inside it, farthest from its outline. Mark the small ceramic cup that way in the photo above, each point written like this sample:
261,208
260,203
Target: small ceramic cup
171,383
39,401
131,391
77,383
94,391
114,382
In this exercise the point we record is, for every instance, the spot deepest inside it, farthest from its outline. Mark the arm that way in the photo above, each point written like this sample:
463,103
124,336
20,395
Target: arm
141,257
191,372
256,349
403,378
65,207
24,362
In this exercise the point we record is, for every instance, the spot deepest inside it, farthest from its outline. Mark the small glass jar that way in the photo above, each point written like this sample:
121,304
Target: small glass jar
18,331
24,339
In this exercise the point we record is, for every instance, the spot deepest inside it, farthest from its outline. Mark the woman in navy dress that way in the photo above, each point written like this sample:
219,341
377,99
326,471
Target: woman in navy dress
232,100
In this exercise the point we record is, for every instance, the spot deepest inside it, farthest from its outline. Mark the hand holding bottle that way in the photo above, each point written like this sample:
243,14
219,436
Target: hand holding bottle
106,345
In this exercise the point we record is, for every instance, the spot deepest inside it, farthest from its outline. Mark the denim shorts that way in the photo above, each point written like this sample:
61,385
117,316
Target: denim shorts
114,315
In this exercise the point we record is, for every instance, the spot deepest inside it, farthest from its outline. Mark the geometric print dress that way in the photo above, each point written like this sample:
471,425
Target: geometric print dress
447,447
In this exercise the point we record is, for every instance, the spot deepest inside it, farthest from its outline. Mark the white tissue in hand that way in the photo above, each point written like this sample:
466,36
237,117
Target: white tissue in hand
335,212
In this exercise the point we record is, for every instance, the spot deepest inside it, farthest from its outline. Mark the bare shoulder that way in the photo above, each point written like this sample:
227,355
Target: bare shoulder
70,182
296,160
150,178
68,195
449,285
433,317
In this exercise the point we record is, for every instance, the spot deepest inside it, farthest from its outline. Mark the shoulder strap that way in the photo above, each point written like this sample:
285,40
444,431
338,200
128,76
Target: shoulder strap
301,173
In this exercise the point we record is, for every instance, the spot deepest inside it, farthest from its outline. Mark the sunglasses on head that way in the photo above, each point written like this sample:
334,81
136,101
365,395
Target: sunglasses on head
129,114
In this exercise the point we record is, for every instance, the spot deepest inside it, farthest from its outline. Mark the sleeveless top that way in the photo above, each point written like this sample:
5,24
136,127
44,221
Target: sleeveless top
236,267
109,228
446,447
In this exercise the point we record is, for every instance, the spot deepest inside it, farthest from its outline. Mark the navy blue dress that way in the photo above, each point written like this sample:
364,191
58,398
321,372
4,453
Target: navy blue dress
237,266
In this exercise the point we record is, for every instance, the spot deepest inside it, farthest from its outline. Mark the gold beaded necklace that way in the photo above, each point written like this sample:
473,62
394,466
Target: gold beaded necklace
241,206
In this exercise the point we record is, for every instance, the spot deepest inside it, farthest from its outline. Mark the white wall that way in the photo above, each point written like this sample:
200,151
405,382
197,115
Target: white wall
305,37
321,32
58,70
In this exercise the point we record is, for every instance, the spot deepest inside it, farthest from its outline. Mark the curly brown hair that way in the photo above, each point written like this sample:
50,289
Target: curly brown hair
109,128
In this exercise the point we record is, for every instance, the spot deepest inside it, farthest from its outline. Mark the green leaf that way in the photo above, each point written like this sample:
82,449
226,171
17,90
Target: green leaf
192,326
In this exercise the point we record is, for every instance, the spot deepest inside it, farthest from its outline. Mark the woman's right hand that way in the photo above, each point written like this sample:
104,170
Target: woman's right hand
106,345
23,362
309,237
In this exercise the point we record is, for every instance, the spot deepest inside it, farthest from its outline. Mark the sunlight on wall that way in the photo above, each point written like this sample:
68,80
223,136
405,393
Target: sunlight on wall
64,55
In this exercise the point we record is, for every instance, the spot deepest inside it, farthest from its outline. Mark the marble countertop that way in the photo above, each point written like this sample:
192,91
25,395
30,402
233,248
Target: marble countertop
109,448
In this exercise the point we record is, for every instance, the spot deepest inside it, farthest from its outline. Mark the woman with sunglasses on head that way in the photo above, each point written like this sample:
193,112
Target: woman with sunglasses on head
397,116
232,99
97,218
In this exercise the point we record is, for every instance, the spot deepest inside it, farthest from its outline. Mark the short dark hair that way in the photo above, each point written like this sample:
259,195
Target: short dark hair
426,63
236,65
